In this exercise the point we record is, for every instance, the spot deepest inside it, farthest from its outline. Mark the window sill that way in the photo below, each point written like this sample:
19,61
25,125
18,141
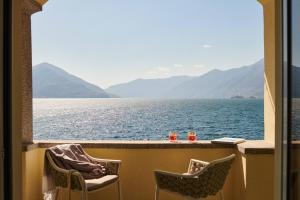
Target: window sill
248,147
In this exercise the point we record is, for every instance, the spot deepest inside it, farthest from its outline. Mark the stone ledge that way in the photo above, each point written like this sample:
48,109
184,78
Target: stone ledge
137,144
248,147
29,146
256,147
108,144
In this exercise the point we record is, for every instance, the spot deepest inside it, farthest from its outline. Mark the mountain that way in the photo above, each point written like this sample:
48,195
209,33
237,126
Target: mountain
245,81
147,87
49,81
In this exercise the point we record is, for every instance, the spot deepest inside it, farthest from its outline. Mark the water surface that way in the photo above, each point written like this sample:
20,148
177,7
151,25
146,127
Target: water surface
146,119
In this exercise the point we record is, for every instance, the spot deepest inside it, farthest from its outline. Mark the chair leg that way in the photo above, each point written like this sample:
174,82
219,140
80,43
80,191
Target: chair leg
56,193
221,195
69,194
84,195
119,190
156,192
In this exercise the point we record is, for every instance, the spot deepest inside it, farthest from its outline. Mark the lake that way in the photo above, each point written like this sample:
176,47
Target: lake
146,119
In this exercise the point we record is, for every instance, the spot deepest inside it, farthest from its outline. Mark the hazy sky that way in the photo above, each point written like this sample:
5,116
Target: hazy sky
113,41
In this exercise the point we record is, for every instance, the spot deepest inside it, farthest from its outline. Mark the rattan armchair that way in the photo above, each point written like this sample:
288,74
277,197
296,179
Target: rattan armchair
203,179
73,180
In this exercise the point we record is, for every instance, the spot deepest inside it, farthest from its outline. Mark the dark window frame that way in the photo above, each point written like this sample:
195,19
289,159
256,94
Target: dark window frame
7,131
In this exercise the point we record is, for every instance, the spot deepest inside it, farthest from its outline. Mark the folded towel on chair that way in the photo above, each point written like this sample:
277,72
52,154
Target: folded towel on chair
72,156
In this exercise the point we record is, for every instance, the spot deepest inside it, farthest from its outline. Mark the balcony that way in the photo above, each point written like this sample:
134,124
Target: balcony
251,176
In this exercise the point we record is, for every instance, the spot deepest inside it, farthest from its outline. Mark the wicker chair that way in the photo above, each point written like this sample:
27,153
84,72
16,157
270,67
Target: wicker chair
202,179
73,180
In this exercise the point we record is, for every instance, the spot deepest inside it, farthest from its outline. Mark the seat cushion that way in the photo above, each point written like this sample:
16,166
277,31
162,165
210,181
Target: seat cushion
94,184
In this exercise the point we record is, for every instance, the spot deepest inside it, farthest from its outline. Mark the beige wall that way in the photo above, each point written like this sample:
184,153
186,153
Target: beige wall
32,172
16,102
250,176
273,83
269,55
21,112
259,176
273,69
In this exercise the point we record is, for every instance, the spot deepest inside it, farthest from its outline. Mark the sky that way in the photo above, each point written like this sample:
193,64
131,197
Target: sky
107,42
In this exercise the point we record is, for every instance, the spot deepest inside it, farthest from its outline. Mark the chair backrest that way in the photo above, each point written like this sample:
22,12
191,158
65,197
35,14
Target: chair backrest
206,182
213,176
60,176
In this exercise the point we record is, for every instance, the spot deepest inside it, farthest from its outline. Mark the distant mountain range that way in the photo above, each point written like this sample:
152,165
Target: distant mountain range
50,81
148,88
247,81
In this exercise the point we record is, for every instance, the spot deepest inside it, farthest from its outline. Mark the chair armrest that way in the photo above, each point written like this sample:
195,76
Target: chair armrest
171,174
113,166
65,178
106,160
196,166
170,181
